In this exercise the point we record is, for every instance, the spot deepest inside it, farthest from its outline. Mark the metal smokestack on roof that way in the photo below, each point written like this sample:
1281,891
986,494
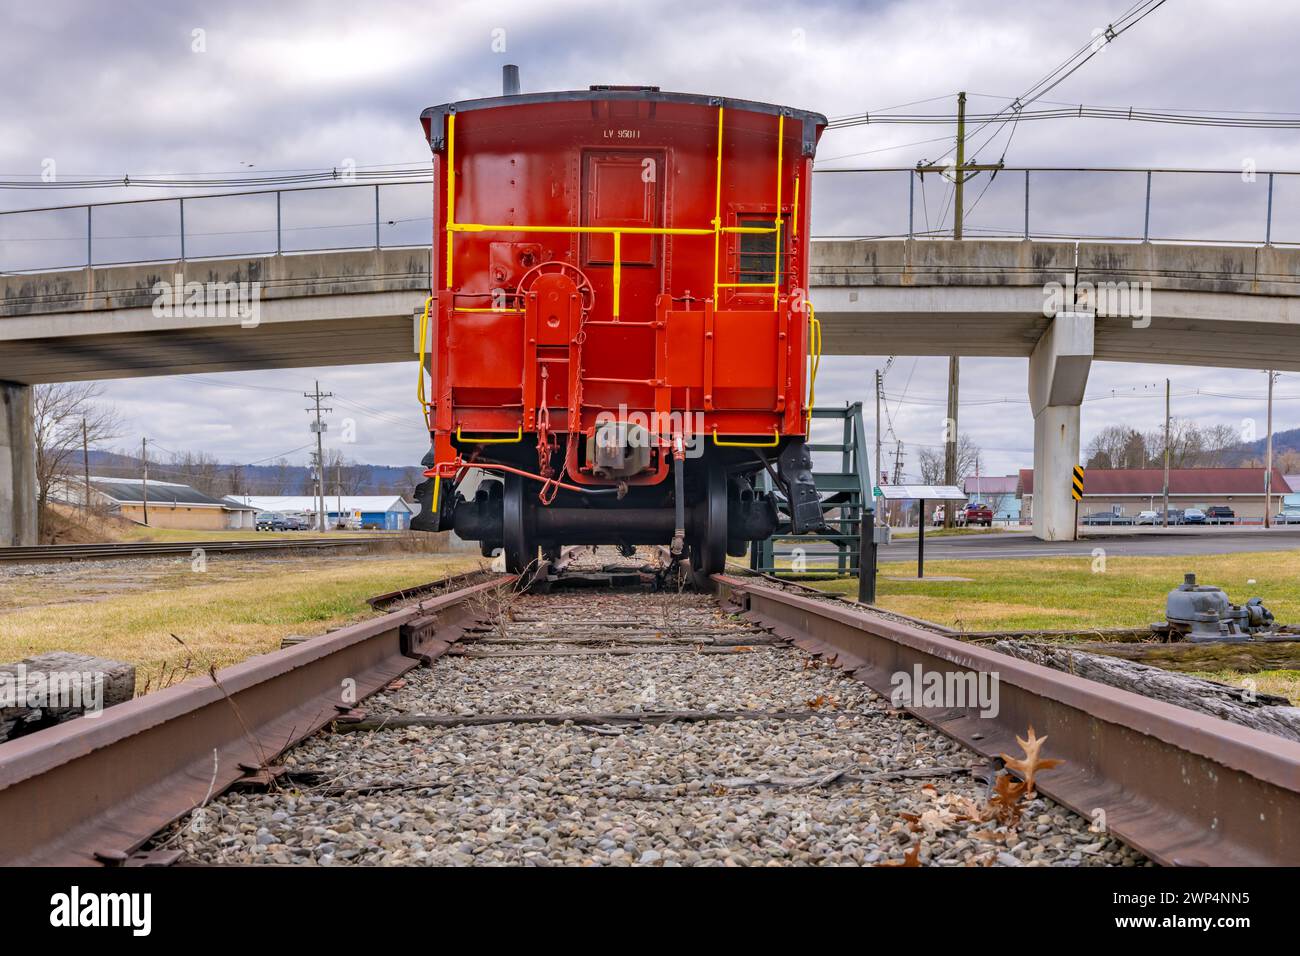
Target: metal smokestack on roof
510,80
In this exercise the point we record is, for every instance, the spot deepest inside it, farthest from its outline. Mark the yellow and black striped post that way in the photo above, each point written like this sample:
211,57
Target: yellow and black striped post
1076,491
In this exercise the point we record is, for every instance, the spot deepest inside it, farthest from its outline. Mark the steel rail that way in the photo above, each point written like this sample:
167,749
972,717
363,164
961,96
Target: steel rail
1181,787
145,549
94,789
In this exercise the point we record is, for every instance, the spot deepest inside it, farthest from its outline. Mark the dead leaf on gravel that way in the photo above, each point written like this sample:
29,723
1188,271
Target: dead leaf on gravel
823,700
1005,803
911,858
1032,763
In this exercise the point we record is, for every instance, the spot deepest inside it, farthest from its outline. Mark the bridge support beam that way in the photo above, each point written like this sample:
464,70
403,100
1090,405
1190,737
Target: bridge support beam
1058,374
17,466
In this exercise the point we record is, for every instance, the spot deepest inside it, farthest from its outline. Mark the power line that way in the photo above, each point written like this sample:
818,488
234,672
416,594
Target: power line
1016,110
1081,111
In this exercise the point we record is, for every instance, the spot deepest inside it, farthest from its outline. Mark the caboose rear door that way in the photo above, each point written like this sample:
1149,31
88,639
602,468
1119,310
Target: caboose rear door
622,189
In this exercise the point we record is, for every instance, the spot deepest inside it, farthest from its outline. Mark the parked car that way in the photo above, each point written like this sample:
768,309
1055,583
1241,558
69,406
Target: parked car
977,513
1220,514
1147,517
1175,517
1287,517
1193,516
270,521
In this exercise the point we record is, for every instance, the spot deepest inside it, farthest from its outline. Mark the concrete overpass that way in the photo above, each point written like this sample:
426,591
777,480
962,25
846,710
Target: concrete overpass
1224,306
1060,305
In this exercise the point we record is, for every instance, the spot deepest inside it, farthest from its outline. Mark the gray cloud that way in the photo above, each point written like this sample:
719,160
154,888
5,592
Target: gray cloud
112,88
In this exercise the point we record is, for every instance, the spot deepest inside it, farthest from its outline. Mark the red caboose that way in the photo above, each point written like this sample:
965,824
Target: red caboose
619,335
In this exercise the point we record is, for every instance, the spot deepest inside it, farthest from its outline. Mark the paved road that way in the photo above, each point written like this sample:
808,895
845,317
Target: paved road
1021,545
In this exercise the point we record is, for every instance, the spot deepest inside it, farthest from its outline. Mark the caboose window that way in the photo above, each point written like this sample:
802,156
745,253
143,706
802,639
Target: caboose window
758,251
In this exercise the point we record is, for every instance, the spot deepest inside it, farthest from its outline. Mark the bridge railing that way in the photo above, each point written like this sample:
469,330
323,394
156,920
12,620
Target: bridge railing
1222,206
1241,206
328,218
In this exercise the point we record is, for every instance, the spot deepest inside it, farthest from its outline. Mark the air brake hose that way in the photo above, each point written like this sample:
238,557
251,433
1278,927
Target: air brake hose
679,497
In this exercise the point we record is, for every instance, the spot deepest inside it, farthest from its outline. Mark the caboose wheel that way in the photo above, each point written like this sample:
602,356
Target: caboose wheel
518,540
709,538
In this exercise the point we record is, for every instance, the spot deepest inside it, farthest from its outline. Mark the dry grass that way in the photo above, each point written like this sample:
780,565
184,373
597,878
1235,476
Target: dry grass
221,623
1063,593
1283,683
1057,593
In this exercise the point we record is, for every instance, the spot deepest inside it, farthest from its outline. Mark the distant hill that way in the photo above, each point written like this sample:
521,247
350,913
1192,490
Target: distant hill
1287,441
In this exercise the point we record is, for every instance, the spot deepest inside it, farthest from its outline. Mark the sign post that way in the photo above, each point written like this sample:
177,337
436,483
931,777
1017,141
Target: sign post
922,493
1076,492
867,555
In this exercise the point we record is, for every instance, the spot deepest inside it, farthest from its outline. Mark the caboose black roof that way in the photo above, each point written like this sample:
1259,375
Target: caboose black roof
650,94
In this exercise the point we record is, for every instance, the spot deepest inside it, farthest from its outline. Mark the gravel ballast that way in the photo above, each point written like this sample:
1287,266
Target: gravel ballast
779,759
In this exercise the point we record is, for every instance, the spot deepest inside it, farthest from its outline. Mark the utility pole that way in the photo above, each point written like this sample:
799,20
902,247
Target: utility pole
959,174
950,434
959,185
85,465
1268,456
1166,489
896,476
144,457
319,428
879,387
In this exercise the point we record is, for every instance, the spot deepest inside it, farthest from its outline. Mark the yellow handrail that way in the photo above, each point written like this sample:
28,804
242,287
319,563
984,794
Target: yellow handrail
716,230
519,436
588,230
780,157
424,334
815,353
776,440
618,272
794,216
717,214
451,187
716,227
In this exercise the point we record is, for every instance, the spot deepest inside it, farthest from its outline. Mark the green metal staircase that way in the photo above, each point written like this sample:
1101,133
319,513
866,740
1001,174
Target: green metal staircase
845,493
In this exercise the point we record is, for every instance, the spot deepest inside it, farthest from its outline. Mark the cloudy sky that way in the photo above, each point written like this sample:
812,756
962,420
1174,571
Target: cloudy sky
135,87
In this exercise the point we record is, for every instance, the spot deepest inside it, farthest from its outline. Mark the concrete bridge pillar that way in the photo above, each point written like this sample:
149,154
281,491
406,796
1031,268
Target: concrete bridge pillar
17,466
1058,374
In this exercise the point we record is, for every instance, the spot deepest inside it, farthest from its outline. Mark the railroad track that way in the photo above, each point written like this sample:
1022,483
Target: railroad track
745,727
149,549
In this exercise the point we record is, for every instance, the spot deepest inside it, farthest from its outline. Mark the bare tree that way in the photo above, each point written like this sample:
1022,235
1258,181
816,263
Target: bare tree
199,470
1220,443
281,480
344,476
1191,446
1117,446
235,481
970,460
65,414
